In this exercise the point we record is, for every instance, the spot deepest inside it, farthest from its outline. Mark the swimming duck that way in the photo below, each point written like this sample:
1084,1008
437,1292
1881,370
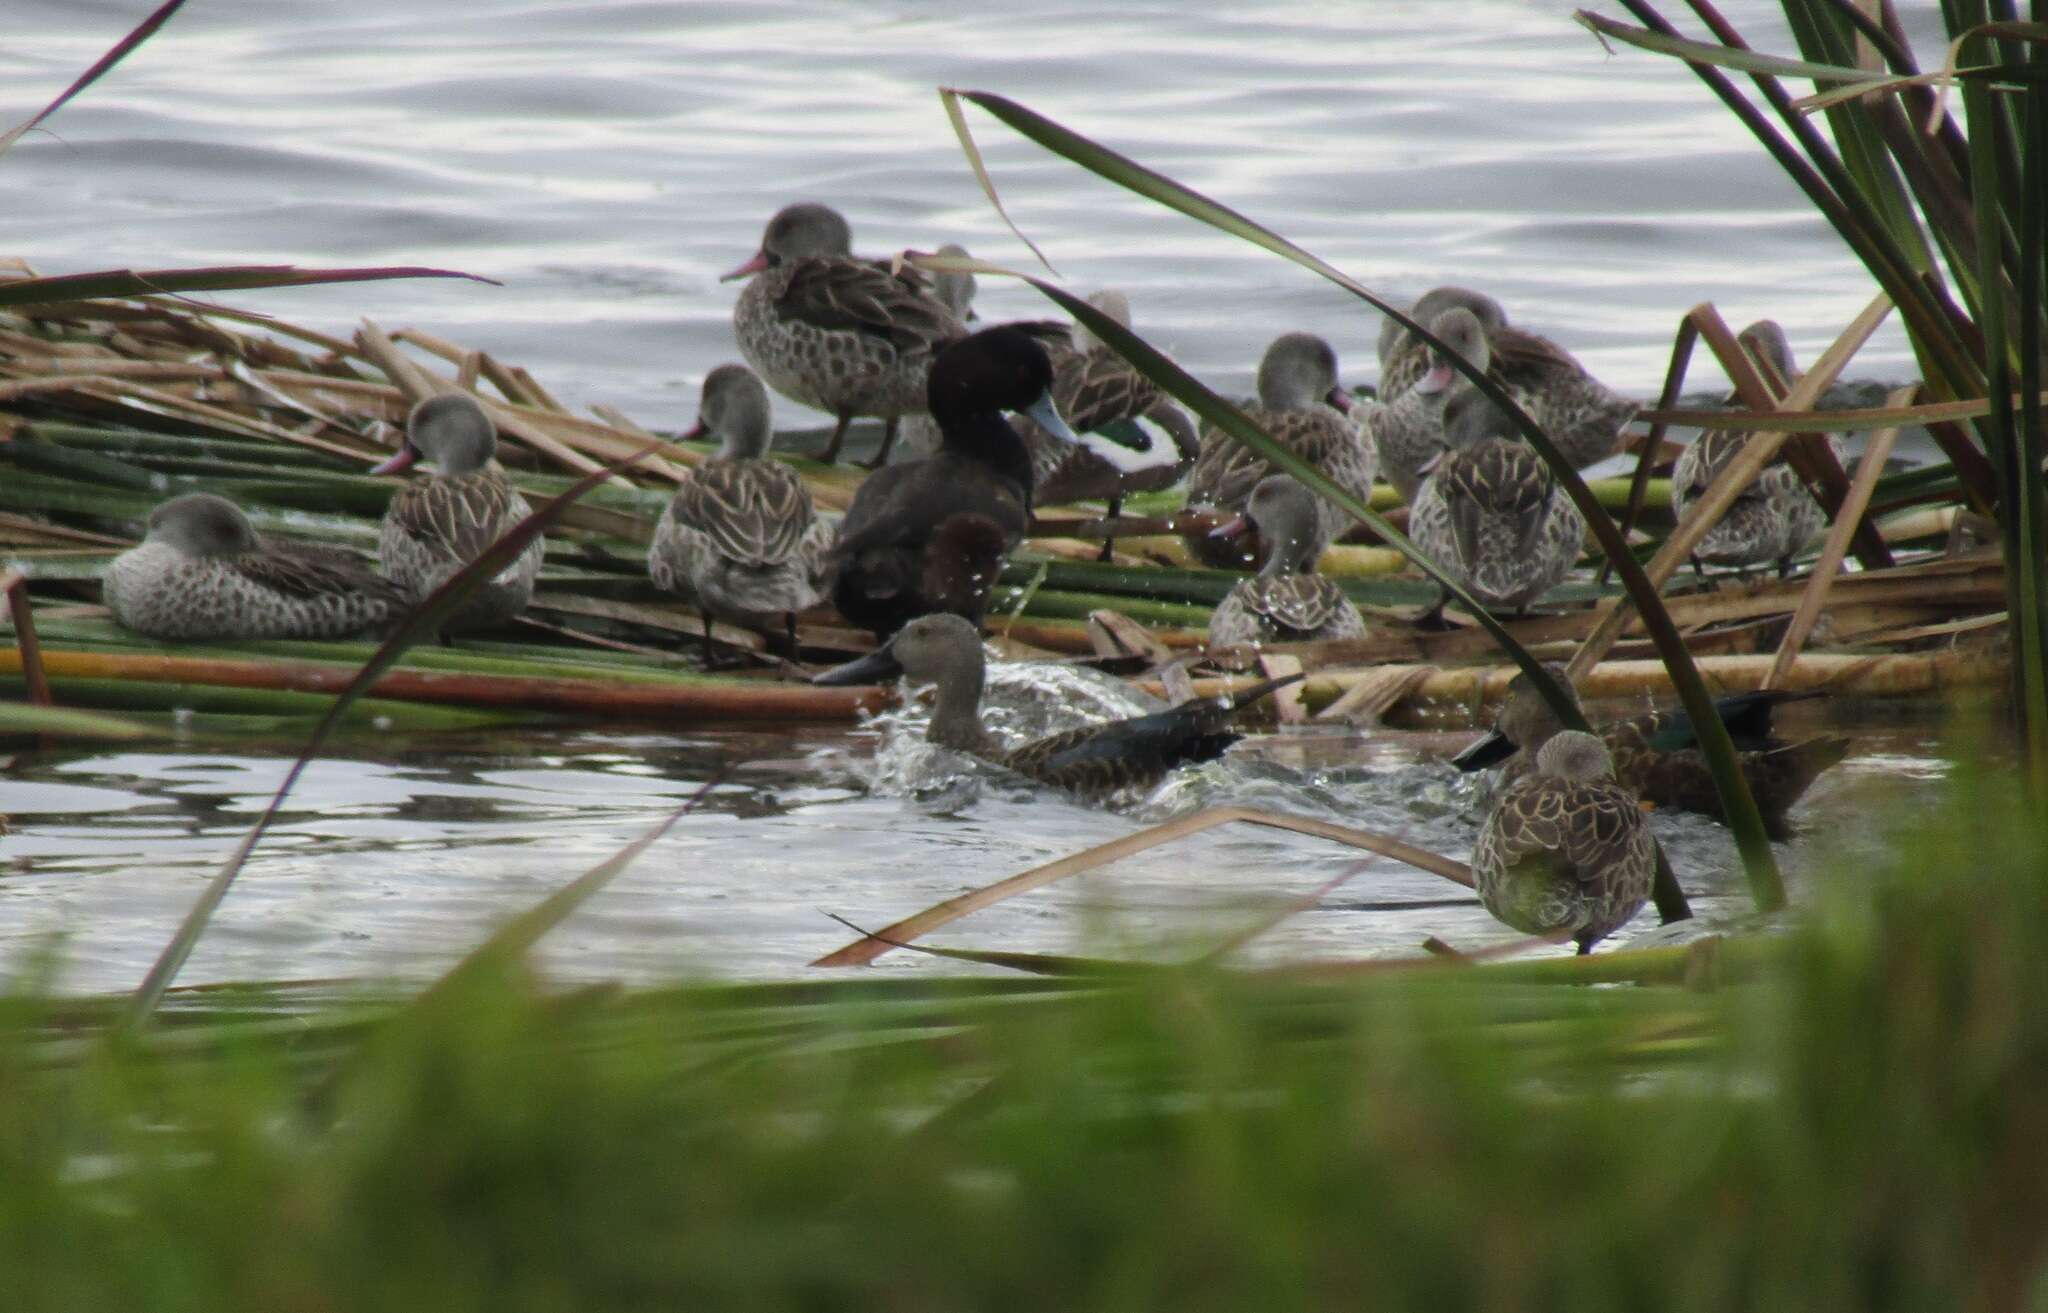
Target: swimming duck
1095,390
1301,407
204,572
1490,513
844,335
1566,849
931,534
1287,601
1408,431
740,531
945,650
439,523
1657,754
1776,515
1577,412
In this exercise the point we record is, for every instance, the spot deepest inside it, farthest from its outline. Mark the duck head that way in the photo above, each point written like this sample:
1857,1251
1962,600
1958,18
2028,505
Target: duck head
1298,371
804,229
1526,718
450,430
1110,302
1465,334
1433,303
1284,514
955,290
1575,757
1000,368
733,407
932,649
202,524
1765,340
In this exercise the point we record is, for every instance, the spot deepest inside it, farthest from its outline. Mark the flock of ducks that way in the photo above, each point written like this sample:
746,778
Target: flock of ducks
916,555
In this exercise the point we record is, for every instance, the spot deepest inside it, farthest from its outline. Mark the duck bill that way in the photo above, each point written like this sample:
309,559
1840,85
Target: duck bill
1237,526
877,667
1435,381
747,270
1047,416
695,433
1428,467
400,463
1340,400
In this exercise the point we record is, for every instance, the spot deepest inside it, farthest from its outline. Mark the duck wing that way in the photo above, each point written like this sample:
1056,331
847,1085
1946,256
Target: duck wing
455,518
1139,750
1305,604
753,511
844,295
1522,359
313,570
899,505
1589,833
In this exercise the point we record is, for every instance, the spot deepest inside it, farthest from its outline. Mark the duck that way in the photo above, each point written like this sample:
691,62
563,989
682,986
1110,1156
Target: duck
740,532
1490,513
438,523
840,334
918,433
1657,754
203,572
1408,431
945,650
1771,520
1287,601
1406,359
1300,406
932,534
1098,391
1581,416
1566,850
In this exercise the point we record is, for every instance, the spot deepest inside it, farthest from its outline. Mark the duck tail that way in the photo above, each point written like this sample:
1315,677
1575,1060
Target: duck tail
1748,715
1799,764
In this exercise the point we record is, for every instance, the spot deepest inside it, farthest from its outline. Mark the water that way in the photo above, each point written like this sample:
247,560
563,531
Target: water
605,162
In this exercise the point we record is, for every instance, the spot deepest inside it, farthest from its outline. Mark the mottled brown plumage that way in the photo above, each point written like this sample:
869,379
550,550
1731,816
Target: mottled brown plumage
1298,407
1287,601
1493,517
438,523
204,572
1657,754
844,335
1566,849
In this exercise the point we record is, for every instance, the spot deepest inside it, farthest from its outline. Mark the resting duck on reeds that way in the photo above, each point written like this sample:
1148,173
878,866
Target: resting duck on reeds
945,650
932,534
740,532
1577,412
1490,513
1657,754
844,335
1408,431
202,571
1566,850
439,523
1775,516
1287,601
1301,407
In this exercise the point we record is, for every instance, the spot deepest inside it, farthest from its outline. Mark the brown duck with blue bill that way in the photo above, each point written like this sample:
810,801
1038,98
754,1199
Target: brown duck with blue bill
945,650
1657,754
932,534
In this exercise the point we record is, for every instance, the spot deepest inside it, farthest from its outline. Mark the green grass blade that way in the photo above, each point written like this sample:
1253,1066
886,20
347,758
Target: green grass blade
1767,886
423,621
21,718
120,51
1742,61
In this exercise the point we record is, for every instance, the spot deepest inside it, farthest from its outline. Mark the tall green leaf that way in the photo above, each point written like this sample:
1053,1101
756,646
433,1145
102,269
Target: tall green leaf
1766,885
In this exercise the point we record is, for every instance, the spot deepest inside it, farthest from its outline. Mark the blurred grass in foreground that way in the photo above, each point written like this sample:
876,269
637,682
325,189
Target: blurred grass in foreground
1855,1124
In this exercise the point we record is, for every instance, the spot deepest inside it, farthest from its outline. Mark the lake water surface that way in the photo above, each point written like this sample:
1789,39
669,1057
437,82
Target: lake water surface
606,161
